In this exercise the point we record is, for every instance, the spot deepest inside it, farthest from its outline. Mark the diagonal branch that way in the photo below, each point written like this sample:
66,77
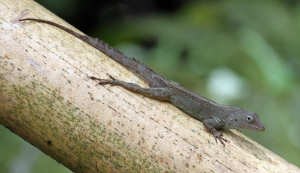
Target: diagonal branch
47,98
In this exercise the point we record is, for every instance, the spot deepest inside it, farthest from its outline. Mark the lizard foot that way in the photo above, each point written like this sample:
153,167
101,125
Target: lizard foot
219,137
111,81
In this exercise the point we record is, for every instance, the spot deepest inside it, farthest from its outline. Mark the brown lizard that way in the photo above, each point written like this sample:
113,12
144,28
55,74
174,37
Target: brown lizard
214,116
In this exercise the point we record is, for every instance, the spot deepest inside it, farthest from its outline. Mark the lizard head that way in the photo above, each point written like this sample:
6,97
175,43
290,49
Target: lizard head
242,119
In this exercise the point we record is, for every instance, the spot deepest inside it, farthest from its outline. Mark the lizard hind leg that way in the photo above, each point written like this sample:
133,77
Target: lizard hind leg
161,93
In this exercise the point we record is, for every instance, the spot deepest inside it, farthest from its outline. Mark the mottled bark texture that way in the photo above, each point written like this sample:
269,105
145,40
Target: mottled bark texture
47,99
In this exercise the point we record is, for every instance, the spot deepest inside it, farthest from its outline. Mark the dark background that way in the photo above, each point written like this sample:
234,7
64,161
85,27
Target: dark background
236,52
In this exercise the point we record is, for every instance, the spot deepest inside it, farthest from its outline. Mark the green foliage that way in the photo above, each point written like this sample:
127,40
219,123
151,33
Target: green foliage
17,156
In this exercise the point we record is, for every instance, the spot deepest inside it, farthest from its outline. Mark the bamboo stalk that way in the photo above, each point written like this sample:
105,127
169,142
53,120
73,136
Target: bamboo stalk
47,99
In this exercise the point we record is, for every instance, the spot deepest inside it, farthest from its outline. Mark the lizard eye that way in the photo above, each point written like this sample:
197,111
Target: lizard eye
249,118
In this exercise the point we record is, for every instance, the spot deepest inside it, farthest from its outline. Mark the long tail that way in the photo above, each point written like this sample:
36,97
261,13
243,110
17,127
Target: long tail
147,74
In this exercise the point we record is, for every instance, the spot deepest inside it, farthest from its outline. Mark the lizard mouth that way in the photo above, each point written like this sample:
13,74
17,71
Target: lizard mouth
256,125
253,127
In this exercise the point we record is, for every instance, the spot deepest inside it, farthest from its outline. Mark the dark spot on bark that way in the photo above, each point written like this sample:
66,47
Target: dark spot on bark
91,96
187,165
199,157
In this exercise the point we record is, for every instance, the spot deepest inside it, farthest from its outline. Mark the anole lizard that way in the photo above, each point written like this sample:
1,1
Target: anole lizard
214,116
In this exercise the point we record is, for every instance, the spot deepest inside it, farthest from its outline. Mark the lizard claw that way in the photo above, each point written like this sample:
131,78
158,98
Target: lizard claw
219,137
110,76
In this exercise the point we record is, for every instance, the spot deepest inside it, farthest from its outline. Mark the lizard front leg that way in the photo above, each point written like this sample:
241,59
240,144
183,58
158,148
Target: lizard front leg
212,124
162,94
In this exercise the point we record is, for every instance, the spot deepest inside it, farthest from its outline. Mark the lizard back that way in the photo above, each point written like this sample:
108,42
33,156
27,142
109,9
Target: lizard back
144,72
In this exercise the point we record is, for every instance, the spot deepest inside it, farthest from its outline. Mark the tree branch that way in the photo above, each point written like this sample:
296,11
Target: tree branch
47,99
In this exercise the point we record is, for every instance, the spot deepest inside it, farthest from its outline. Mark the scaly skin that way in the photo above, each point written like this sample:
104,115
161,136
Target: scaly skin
214,116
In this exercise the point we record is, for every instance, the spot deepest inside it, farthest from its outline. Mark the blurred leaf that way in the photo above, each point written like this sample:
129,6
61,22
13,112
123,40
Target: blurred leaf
275,72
